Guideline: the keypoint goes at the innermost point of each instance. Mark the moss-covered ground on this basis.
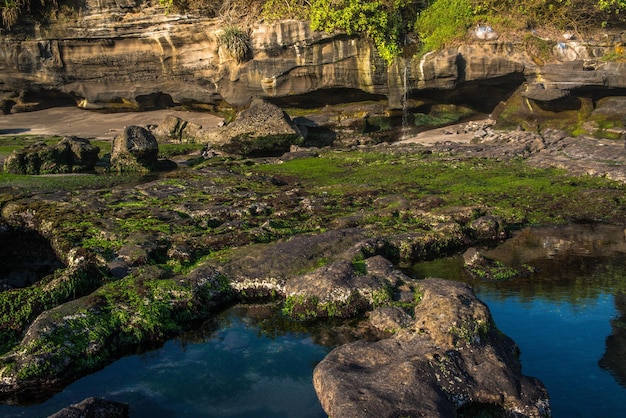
(168, 225)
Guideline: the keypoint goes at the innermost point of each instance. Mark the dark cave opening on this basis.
(25, 258)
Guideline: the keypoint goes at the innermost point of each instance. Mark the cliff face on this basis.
(130, 54)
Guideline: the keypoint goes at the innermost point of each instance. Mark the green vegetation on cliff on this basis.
(389, 23)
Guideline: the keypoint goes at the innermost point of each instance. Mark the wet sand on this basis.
(91, 125)
(436, 135)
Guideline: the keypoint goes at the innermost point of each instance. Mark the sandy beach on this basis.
(105, 126)
(91, 125)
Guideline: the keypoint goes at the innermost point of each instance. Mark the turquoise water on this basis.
(250, 363)
(561, 316)
(561, 344)
(235, 371)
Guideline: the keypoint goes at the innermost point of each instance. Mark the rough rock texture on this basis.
(135, 149)
(132, 55)
(69, 155)
(551, 148)
(94, 408)
(173, 128)
(451, 357)
(261, 129)
(261, 270)
(558, 80)
(341, 290)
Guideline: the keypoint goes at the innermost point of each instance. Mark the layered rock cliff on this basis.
(132, 55)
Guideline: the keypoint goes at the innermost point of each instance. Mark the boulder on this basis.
(452, 359)
(483, 267)
(135, 149)
(176, 129)
(94, 408)
(487, 229)
(263, 129)
(69, 155)
(341, 288)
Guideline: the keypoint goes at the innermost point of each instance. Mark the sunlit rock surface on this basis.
(106, 55)
(450, 359)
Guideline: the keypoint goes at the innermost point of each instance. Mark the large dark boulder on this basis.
(69, 155)
(134, 150)
(449, 360)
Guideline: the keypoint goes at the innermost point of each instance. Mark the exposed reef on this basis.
(147, 262)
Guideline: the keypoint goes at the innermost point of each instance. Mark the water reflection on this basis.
(561, 315)
(247, 362)
(614, 359)
(569, 319)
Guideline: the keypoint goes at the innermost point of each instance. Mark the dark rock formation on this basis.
(451, 357)
(94, 408)
(614, 357)
(25, 257)
(487, 228)
(69, 155)
(260, 130)
(136, 149)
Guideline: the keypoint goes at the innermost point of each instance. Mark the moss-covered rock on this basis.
(135, 150)
(69, 155)
(82, 335)
(450, 355)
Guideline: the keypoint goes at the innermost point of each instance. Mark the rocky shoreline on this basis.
(116, 245)
(315, 211)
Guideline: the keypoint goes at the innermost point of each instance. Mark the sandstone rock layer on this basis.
(134, 56)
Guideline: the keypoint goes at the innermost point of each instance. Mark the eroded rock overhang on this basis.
(135, 56)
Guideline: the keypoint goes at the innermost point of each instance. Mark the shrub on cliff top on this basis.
(236, 41)
(382, 21)
(443, 21)
(285, 9)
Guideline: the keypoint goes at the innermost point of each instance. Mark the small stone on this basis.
(94, 407)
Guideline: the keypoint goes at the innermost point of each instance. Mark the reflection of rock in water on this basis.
(25, 258)
(573, 262)
(614, 360)
(562, 241)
